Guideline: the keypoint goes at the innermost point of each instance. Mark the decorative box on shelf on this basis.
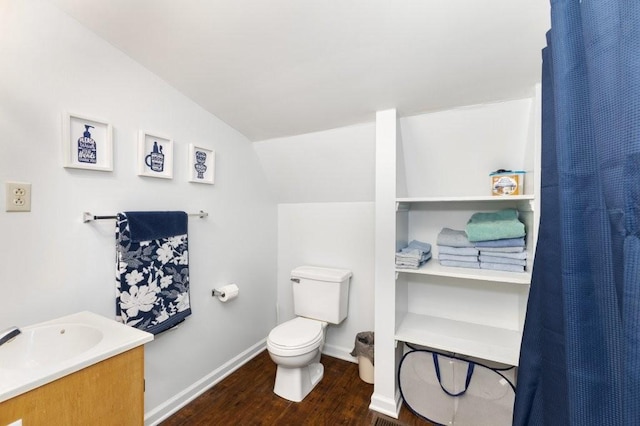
(507, 182)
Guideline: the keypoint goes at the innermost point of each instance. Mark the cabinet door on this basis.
(110, 392)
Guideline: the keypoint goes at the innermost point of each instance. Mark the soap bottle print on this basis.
(201, 168)
(87, 151)
(155, 160)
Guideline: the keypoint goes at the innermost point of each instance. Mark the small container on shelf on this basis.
(507, 182)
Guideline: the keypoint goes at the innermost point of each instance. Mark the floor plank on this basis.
(246, 398)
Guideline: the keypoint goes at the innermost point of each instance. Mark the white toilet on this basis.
(320, 297)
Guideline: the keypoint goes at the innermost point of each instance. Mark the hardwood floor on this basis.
(246, 398)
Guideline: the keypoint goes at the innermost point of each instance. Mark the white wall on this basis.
(324, 182)
(52, 264)
(335, 165)
(337, 235)
(463, 145)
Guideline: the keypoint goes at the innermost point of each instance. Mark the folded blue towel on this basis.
(505, 242)
(497, 259)
(457, 264)
(412, 254)
(518, 255)
(152, 275)
(461, 251)
(415, 244)
(459, 258)
(502, 267)
(412, 263)
(494, 226)
(453, 238)
(502, 249)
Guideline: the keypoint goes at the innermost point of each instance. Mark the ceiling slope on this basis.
(286, 67)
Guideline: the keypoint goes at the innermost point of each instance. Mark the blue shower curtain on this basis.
(580, 356)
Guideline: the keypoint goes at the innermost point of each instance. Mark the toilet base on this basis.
(294, 384)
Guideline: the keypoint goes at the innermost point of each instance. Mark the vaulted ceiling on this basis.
(285, 67)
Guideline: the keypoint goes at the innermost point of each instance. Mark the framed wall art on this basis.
(86, 143)
(201, 165)
(155, 156)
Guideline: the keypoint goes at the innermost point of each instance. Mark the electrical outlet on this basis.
(17, 197)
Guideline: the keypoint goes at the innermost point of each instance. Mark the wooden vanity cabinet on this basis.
(110, 392)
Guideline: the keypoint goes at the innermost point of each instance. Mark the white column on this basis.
(385, 398)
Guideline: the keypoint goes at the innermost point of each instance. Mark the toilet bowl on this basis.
(320, 297)
(295, 346)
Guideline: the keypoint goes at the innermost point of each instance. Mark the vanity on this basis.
(74, 370)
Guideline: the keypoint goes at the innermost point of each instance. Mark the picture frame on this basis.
(201, 164)
(155, 155)
(87, 143)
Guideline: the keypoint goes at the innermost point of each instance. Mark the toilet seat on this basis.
(295, 337)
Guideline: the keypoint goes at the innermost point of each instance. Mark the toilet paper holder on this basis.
(215, 293)
(226, 292)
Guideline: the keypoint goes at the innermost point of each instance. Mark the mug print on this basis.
(155, 160)
(155, 156)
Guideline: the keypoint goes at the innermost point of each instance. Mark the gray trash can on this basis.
(363, 350)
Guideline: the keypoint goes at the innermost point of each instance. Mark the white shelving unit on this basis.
(432, 172)
(473, 312)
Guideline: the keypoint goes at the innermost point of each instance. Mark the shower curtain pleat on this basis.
(579, 362)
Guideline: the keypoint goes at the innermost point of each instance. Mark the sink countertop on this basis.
(116, 339)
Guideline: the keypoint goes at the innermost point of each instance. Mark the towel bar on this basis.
(88, 217)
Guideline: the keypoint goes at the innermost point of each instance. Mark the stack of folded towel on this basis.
(503, 255)
(455, 249)
(499, 237)
(414, 255)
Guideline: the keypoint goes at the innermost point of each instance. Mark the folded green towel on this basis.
(494, 226)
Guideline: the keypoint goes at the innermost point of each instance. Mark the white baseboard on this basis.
(164, 410)
(387, 406)
(339, 352)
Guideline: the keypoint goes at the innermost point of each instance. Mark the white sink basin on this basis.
(47, 351)
(45, 345)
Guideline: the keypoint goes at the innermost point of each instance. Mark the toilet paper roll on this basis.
(228, 292)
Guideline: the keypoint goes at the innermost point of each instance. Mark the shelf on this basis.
(404, 204)
(465, 199)
(432, 267)
(481, 341)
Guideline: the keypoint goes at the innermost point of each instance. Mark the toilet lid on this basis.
(296, 333)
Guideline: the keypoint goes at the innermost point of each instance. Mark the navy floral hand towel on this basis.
(152, 270)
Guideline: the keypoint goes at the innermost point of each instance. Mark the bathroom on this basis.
(275, 205)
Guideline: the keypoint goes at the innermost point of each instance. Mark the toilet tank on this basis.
(321, 293)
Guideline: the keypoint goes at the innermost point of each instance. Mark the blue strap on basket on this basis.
(470, 367)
